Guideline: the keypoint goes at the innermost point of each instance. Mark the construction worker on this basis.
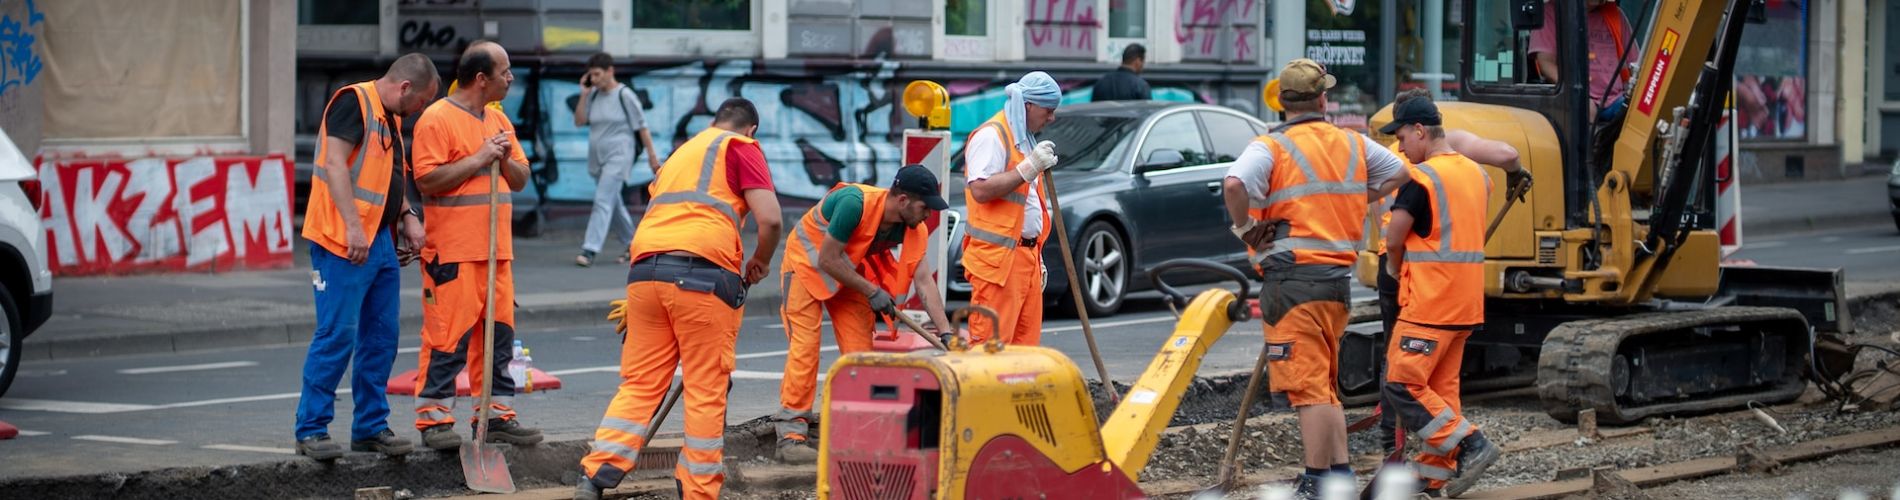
(1479, 149)
(356, 206)
(852, 274)
(1002, 255)
(458, 140)
(1435, 248)
(1299, 196)
(685, 298)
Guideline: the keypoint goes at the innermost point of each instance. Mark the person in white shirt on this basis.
(1002, 254)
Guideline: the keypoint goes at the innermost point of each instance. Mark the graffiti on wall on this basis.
(1062, 28)
(1218, 30)
(818, 128)
(161, 214)
(20, 62)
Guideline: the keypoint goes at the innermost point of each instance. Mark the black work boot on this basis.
(511, 432)
(1474, 456)
(319, 447)
(1307, 487)
(586, 490)
(384, 442)
(441, 437)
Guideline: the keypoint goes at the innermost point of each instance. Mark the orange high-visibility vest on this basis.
(370, 165)
(1318, 190)
(1444, 272)
(996, 228)
(694, 208)
(458, 217)
(801, 250)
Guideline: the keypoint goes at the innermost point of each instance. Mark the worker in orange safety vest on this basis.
(1299, 198)
(685, 299)
(852, 274)
(1008, 224)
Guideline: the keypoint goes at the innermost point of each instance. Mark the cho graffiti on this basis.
(818, 128)
(157, 214)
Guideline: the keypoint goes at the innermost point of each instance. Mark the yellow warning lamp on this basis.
(927, 100)
(1271, 95)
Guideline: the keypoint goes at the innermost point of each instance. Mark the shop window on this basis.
(966, 18)
(1128, 18)
(693, 14)
(1499, 51)
(337, 12)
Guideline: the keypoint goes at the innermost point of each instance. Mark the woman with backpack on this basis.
(611, 112)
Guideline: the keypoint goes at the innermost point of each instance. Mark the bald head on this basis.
(484, 68)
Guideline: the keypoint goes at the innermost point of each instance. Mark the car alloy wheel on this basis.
(1104, 263)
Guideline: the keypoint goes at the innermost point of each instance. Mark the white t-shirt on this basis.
(984, 156)
(1254, 167)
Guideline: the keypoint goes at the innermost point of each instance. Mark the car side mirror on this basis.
(1527, 15)
(1161, 159)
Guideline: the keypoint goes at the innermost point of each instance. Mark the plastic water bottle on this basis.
(527, 370)
(518, 367)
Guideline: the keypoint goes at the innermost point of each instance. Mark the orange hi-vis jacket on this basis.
(801, 250)
(996, 228)
(458, 218)
(1444, 272)
(1320, 198)
(369, 170)
(694, 209)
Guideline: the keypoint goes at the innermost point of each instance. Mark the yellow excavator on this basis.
(1605, 285)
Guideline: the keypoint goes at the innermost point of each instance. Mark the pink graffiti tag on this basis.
(1077, 28)
(1204, 19)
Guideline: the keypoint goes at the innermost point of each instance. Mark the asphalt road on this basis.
(236, 406)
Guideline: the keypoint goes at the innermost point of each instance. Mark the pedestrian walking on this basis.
(685, 300)
(1299, 198)
(459, 140)
(611, 112)
(355, 216)
(1008, 222)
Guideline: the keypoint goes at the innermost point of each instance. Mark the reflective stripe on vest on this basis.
(817, 215)
(1442, 217)
(1303, 204)
(994, 229)
(705, 182)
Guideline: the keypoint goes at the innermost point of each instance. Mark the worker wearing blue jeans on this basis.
(358, 310)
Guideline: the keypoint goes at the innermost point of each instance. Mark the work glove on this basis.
(1521, 176)
(1041, 159)
(883, 304)
(619, 316)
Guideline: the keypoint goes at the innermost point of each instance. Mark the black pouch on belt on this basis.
(706, 278)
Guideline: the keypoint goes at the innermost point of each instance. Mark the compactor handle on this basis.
(962, 316)
(1237, 311)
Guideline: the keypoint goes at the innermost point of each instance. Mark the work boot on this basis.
(797, 451)
(1475, 455)
(586, 490)
(512, 432)
(319, 447)
(441, 437)
(1306, 487)
(384, 442)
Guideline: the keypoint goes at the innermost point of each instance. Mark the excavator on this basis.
(1604, 281)
(1605, 289)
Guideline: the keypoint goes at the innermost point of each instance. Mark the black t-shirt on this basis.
(345, 121)
(1415, 200)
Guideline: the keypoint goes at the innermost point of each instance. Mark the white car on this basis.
(26, 284)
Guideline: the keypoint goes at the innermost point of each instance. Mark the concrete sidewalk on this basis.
(187, 312)
(109, 316)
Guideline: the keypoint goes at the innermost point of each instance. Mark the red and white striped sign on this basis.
(1728, 188)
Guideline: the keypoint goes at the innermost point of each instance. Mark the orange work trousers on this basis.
(669, 327)
(851, 324)
(1303, 321)
(452, 316)
(1017, 301)
(1421, 375)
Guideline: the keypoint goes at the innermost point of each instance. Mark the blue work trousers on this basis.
(358, 308)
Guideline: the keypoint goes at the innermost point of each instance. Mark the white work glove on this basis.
(1240, 231)
(1041, 159)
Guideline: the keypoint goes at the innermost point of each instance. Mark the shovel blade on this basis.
(485, 469)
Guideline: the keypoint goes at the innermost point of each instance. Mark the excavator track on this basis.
(1631, 367)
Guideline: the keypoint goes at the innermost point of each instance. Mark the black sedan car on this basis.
(1139, 183)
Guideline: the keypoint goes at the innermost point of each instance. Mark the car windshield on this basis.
(1083, 142)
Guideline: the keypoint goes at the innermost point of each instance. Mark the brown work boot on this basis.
(512, 432)
(441, 437)
(797, 451)
(319, 447)
(385, 443)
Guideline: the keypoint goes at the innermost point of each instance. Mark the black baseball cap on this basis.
(1416, 110)
(917, 180)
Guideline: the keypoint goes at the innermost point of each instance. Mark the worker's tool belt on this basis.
(1026, 243)
(691, 274)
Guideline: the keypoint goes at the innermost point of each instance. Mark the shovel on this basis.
(912, 324)
(483, 466)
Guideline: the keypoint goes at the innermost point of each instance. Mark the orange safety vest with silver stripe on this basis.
(1445, 271)
(1375, 233)
(370, 165)
(694, 208)
(996, 228)
(1321, 203)
(801, 250)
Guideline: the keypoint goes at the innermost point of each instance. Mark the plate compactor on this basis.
(1008, 421)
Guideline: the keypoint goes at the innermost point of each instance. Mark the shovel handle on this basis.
(934, 341)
